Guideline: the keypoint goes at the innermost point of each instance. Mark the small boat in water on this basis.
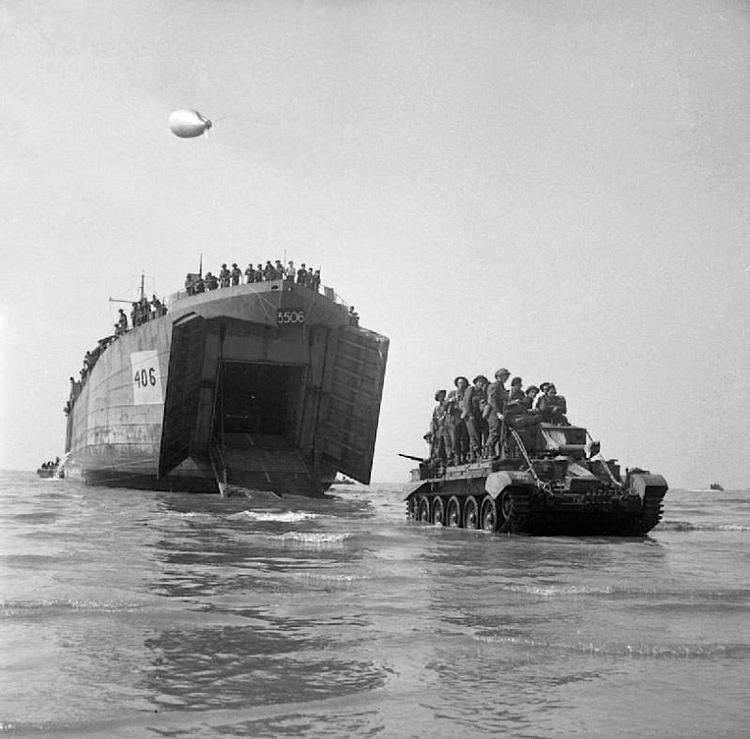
(49, 470)
(715, 486)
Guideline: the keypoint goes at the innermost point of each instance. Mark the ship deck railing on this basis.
(324, 290)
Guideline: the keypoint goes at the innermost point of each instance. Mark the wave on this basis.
(643, 650)
(308, 538)
(284, 517)
(61, 606)
(690, 526)
(656, 597)
(550, 591)
(331, 577)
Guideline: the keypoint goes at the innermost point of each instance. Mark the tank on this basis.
(550, 480)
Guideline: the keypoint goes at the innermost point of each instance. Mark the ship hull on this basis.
(256, 387)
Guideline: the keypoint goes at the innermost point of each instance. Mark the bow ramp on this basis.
(258, 462)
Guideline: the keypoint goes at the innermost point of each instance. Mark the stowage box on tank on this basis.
(549, 482)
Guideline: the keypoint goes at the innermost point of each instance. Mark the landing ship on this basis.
(265, 386)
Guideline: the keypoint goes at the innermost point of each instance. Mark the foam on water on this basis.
(283, 516)
(697, 526)
(553, 591)
(302, 539)
(53, 606)
(615, 649)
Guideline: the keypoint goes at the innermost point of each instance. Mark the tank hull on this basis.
(543, 495)
(264, 387)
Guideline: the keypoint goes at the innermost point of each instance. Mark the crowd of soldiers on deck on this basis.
(143, 310)
(196, 283)
(470, 422)
(89, 360)
(305, 276)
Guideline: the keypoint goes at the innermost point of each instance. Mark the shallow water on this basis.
(132, 614)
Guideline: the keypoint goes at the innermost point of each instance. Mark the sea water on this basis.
(144, 614)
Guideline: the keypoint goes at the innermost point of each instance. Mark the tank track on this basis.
(507, 514)
(653, 508)
(519, 510)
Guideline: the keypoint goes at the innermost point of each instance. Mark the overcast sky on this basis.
(559, 187)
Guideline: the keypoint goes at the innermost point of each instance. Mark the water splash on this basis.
(283, 517)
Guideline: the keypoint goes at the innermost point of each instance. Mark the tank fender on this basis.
(641, 482)
(412, 487)
(496, 482)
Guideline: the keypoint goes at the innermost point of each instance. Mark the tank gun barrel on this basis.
(411, 456)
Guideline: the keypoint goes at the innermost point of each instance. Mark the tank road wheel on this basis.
(488, 516)
(505, 510)
(438, 511)
(411, 508)
(423, 510)
(471, 513)
(453, 514)
(506, 505)
(513, 509)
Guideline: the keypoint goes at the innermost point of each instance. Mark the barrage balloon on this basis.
(188, 124)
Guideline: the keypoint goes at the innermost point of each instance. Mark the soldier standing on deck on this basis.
(159, 309)
(439, 439)
(475, 400)
(497, 396)
(235, 274)
(224, 276)
(458, 432)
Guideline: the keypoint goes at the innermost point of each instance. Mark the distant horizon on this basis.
(374, 483)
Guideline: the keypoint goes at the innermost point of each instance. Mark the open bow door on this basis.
(183, 391)
(351, 421)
